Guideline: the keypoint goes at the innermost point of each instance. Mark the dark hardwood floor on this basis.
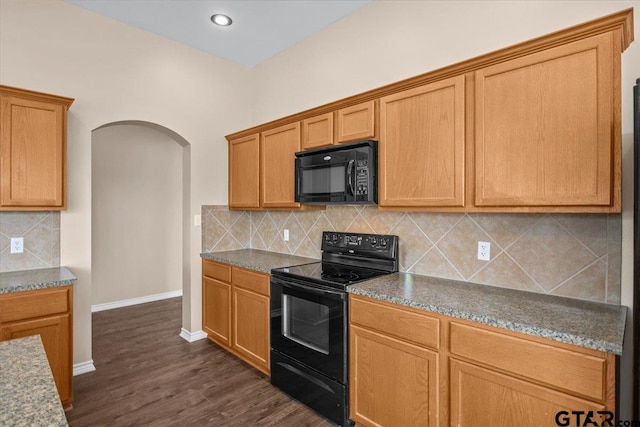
(146, 375)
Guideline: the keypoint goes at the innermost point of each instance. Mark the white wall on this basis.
(387, 41)
(136, 226)
(116, 72)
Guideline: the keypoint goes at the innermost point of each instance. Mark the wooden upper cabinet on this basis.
(356, 122)
(545, 129)
(244, 172)
(317, 131)
(32, 150)
(278, 148)
(422, 145)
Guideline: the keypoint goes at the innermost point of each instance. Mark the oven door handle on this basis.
(310, 289)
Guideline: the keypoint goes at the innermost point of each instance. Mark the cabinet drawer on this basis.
(257, 282)
(399, 322)
(564, 369)
(216, 270)
(31, 304)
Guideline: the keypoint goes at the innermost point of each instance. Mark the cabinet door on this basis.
(244, 172)
(216, 310)
(392, 383)
(317, 131)
(356, 122)
(251, 327)
(422, 146)
(481, 397)
(55, 334)
(544, 127)
(32, 153)
(277, 169)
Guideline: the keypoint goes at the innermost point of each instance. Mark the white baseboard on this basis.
(192, 336)
(83, 367)
(135, 301)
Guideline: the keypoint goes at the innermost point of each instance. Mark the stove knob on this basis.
(383, 242)
(334, 237)
(374, 241)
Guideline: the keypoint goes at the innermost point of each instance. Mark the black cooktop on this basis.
(329, 274)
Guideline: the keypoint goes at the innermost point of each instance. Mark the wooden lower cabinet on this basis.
(413, 368)
(251, 321)
(393, 383)
(216, 318)
(235, 311)
(48, 313)
(482, 397)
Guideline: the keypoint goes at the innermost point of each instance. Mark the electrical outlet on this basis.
(285, 235)
(17, 245)
(484, 251)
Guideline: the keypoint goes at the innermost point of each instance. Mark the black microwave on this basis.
(342, 174)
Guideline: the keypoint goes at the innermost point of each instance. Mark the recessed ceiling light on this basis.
(222, 20)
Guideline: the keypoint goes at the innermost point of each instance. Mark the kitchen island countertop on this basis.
(257, 260)
(28, 280)
(28, 394)
(587, 324)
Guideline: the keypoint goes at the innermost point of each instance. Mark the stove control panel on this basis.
(353, 242)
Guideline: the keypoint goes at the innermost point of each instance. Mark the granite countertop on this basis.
(587, 324)
(28, 394)
(257, 260)
(27, 280)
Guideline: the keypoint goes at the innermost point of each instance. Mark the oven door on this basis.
(309, 325)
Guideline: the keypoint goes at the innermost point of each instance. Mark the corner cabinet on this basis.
(32, 150)
(235, 311)
(48, 313)
(412, 367)
(422, 146)
(546, 127)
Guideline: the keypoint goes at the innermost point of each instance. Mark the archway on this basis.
(140, 214)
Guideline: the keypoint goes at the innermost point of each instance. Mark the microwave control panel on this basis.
(362, 178)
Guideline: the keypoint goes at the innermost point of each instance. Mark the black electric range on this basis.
(309, 318)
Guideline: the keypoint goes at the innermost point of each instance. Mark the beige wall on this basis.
(136, 226)
(117, 73)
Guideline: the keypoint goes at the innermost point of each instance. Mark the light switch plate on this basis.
(197, 220)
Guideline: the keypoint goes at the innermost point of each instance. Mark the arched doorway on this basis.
(140, 214)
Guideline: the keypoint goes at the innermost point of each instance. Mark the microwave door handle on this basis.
(350, 170)
(297, 178)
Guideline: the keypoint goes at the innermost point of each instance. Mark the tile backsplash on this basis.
(41, 233)
(574, 255)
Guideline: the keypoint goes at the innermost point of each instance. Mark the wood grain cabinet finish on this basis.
(317, 131)
(244, 172)
(356, 122)
(32, 150)
(48, 313)
(544, 127)
(278, 147)
(410, 367)
(235, 311)
(422, 146)
(533, 127)
(392, 380)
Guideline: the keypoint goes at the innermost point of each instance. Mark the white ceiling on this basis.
(259, 31)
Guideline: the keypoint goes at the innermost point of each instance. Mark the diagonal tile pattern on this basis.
(574, 255)
(41, 234)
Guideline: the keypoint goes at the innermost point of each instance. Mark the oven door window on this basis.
(306, 322)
